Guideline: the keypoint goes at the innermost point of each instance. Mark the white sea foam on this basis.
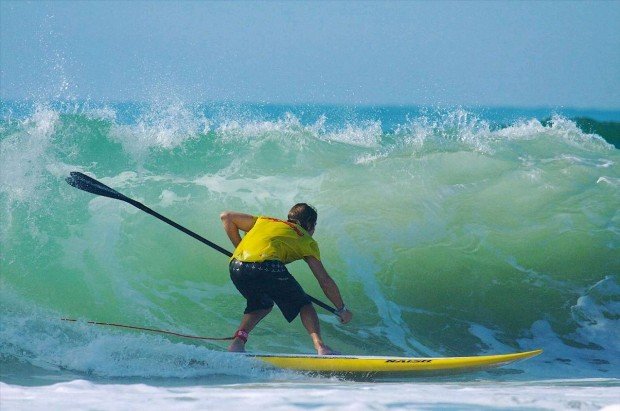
(614, 182)
(570, 132)
(261, 128)
(522, 130)
(24, 159)
(25, 155)
(169, 197)
(259, 190)
(79, 394)
(595, 311)
(105, 352)
(290, 130)
(368, 134)
(164, 126)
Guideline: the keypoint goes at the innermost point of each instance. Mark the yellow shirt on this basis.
(273, 239)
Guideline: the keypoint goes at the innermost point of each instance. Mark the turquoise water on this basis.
(450, 232)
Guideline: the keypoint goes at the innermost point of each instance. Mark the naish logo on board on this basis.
(408, 361)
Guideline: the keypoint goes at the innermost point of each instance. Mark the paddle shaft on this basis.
(85, 183)
(180, 227)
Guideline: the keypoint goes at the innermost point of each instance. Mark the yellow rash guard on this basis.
(273, 239)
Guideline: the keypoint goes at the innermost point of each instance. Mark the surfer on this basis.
(257, 268)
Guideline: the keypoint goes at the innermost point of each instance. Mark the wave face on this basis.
(449, 233)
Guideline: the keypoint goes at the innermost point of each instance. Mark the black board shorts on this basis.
(267, 282)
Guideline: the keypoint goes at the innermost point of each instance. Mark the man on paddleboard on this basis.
(257, 268)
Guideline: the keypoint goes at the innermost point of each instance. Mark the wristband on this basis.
(341, 310)
(242, 335)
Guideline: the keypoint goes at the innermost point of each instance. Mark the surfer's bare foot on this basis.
(325, 350)
(237, 345)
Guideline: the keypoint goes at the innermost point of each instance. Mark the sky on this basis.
(516, 54)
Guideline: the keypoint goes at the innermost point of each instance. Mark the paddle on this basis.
(89, 184)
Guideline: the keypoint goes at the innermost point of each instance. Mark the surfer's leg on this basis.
(248, 322)
(310, 320)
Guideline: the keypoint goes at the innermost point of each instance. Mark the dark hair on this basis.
(303, 214)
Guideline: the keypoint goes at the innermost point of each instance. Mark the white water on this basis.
(324, 395)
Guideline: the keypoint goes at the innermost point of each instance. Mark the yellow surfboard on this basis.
(379, 365)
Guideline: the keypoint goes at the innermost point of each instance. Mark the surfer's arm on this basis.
(329, 287)
(233, 222)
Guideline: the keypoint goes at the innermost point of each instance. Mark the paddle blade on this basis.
(86, 183)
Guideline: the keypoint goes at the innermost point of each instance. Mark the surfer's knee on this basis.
(309, 318)
(307, 309)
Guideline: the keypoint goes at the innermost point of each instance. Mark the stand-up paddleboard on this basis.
(368, 365)
(389, 365)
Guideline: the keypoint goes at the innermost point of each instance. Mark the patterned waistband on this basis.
(273, 266)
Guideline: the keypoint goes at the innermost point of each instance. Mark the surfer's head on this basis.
(305, 215)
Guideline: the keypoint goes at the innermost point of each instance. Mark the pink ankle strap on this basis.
(242, 335)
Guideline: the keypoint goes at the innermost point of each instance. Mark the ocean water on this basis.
(450, 231)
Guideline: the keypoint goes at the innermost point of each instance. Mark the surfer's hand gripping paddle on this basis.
(89, 184)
